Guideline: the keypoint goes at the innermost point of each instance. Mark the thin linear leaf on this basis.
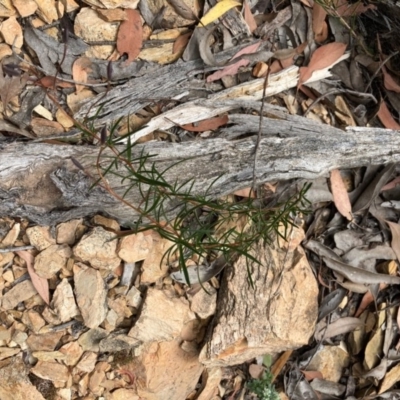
(340, 326)
(358, 275)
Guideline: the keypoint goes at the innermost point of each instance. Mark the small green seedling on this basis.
(263, 388)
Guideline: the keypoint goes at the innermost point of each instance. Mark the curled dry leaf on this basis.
(204, 48)
(80, 69)
(130, 35)
(40, 284)
(323, 57)
(340, 195)
(218, 11)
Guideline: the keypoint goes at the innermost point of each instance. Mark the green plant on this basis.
(201, 227)
(263, 388)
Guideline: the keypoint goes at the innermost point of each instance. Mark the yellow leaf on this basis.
(217, 11)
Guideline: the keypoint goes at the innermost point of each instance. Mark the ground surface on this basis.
(90, 310)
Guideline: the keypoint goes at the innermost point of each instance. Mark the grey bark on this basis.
(41, 181)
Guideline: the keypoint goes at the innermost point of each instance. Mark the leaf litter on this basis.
(58, 60)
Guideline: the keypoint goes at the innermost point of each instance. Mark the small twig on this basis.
(336, 91)
(18, 248)
(48, 26)
(379, 69)
(256, 148)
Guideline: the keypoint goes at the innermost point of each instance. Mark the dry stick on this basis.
(379, 69)
(337, 91)
(256, 148)
(18, 248)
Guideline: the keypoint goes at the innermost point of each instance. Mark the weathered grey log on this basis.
(42, 183)
(151, 81)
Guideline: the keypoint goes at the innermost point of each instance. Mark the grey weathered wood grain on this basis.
(41, 182)
(149, 82)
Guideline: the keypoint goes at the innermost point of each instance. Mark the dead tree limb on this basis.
(41, 182)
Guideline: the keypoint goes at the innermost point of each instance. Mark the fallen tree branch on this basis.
(41, 182)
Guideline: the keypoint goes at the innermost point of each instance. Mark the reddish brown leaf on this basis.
(249, 17)
(368, 299)
(130, 35)
(344, 9)
(386, 118)
(392, 184)
(207, 124)
(229, 70)
(40, 284)
(319, 24)
(310, 375)
(233, 69)
(390, 83)
(340, 195)
(285, 58)
(181, 42)
(51, 82)
(323, 35)
(322, 58)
